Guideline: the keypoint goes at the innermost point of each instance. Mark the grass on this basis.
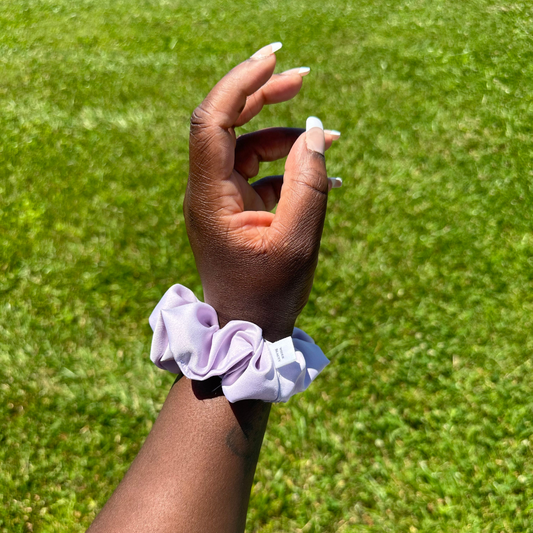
(423, 298)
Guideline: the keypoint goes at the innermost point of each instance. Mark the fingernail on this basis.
(315, 135)
(267, 50)
(302, 71)
(336, 183)
(334, 134)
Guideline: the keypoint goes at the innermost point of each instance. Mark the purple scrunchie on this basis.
(188, 339)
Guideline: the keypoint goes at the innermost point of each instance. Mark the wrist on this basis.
(272, 327)
(188, 339)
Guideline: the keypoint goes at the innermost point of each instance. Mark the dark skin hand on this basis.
(254, 265)
(195, 471)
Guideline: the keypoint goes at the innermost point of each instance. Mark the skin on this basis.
(234, 237)
(195, 471)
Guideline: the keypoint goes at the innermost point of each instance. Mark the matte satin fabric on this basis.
(188, 339)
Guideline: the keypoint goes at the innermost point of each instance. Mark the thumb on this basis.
(302, 206)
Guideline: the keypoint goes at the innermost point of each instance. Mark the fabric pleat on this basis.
(188, 339)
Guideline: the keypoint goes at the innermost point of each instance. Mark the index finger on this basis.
(212, 138)
(224, 103)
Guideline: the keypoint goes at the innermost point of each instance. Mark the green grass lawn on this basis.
(423, 297)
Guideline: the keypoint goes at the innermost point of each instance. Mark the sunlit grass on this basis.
(423, 297)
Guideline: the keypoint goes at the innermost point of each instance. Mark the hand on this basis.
(255, 265)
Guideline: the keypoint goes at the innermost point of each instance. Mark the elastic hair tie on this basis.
(188, 339)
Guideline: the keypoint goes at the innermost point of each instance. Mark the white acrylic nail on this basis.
(314, 136)
(333, 133)
(267, 50)
(302, 71)
(335, 182)
(275, 47)
(313, 122)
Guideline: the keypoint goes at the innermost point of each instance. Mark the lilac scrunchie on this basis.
(188, 339)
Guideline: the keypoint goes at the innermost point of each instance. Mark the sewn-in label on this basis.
(282, 352)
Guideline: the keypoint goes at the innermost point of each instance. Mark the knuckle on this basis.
(199, 118)
(315, 179)
(202, 116)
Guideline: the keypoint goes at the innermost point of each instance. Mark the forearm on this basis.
(195, 471)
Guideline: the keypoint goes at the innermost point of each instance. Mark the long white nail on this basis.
(313, 122)
(334, 134)
(314, 136)
(336, 183)
(302, 71)
(267, 50)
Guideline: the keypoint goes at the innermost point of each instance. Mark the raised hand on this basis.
(255, 265)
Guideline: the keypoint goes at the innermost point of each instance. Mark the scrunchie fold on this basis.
(188, 339)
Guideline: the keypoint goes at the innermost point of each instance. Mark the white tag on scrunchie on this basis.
(282, 351)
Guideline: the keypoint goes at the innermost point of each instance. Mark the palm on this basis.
(246, 197)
